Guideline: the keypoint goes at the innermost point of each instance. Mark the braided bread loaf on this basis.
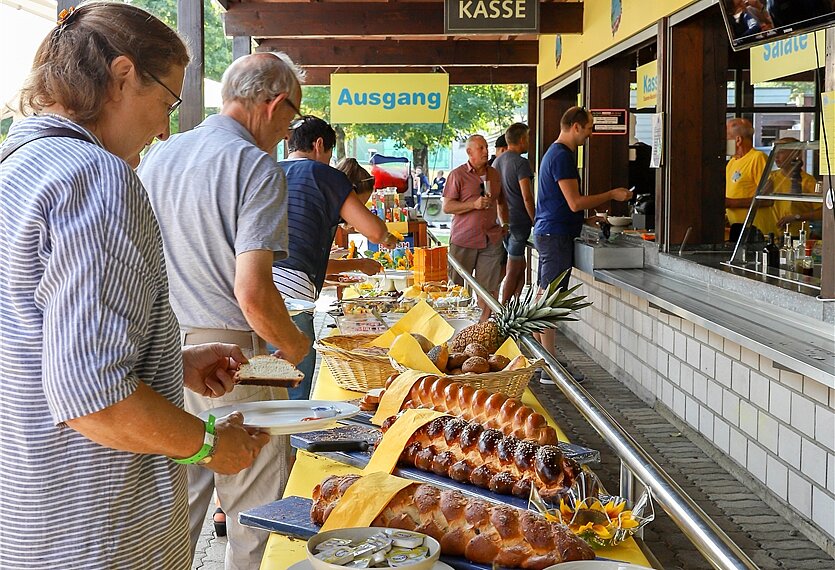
(480, 531)
(493, 410)
(468, 453)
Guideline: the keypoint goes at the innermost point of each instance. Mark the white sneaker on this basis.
(546, 379)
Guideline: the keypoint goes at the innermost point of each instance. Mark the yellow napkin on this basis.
(395, 394)
(349, 293)
(364, 500)
(510, 349)
(420, 319)
(407, 352)
(394, 440)
(399, 227)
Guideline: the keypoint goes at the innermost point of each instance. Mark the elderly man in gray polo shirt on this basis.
(221, 201)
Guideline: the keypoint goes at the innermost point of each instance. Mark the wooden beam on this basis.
(457, 75)
(241, 46)
(383, 53)
(297, 19)
(190, 26)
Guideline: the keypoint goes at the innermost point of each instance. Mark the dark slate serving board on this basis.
(291, 517)
(361, 458)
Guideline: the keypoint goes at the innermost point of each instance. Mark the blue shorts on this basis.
(556, 254)
(516, 241)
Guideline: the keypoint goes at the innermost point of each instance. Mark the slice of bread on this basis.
(267, 370)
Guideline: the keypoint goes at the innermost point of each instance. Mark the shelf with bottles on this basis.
(781, 234)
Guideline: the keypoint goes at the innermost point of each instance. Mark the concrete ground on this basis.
(768, 538)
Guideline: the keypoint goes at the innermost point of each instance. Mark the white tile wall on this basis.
(800, 494)
(813, 461)
(780, 402)
(823, 510)
(803, 414)
(777, 477)
(758, 390)
(825, 427)
(740, 379)
(757, 458)
(767, 431)
(789, 445)
(776, 423)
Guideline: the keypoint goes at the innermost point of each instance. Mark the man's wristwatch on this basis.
(205, 454)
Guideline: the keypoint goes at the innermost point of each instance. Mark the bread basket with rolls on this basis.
(504, 371)
(355, 365)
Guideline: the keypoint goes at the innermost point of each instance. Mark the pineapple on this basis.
(521, 317)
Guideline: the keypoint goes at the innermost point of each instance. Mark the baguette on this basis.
(480, 531)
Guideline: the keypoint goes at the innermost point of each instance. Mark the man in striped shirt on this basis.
(473, 192)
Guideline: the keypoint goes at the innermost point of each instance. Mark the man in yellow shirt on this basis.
(790, 166)
(742, 175)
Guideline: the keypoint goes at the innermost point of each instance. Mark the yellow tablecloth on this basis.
(310, 469)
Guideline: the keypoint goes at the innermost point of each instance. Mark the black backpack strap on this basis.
(44, 133)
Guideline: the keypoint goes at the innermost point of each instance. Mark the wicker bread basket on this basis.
(511, 383)
(354, 370)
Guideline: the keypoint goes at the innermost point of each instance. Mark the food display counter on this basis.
(310, 469)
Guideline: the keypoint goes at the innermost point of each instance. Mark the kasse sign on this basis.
(491, 16)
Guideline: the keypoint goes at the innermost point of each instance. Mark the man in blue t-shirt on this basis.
(559, 205)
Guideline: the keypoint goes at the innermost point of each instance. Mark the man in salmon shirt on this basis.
(473, 193)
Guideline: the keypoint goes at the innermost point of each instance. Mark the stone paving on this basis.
(769, 539)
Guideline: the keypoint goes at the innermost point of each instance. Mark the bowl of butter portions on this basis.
(372, 547)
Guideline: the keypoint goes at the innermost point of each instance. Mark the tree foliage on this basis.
(218, 47)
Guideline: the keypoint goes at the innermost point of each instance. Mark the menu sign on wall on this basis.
(787, 57)
(610, 121)
(491, 16)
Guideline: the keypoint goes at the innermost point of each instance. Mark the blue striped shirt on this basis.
(84, 317)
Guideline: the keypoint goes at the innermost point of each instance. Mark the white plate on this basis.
(596, 565)
(282, 417)
(296, 306)
(305, 565)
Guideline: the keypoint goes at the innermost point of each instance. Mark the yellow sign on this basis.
(647, 85)
(787, 57)
(828, 100)
(389, 97)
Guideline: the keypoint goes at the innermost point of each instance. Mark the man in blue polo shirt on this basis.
(559, 205)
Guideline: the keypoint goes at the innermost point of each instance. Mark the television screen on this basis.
(753, 22)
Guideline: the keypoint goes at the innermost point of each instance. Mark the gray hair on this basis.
(260, 77)
(741, 128)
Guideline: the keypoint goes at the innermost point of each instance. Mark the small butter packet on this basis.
(332, 543)
(405, 556)
(341, 555)
(406, 539)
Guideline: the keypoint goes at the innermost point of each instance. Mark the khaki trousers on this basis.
(258, 485)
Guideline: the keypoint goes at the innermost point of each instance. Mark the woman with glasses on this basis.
(92, 432)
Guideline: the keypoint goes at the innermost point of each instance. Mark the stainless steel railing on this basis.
(697, 526)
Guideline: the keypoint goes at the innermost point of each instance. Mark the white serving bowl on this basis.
(619, 220)
(360, 534)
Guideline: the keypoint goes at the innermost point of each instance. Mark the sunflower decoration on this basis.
(599, 519)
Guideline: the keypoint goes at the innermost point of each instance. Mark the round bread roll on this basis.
(456, 360)
(498, 362)
(475, 364)
(477, 349)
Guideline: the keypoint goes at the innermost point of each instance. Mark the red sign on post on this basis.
(610, 121)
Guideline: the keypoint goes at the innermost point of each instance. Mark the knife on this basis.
(338, 445)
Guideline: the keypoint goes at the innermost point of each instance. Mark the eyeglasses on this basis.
(173, 106)
(296, 122)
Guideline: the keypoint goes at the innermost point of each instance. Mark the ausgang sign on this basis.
(491, 16)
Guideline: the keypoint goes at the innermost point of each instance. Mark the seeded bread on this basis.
(267, 370)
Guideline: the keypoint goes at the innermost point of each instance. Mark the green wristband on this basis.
(208, 445)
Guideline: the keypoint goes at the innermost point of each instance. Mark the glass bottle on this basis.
(787, 252)
(771, 254)
(800, 249)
